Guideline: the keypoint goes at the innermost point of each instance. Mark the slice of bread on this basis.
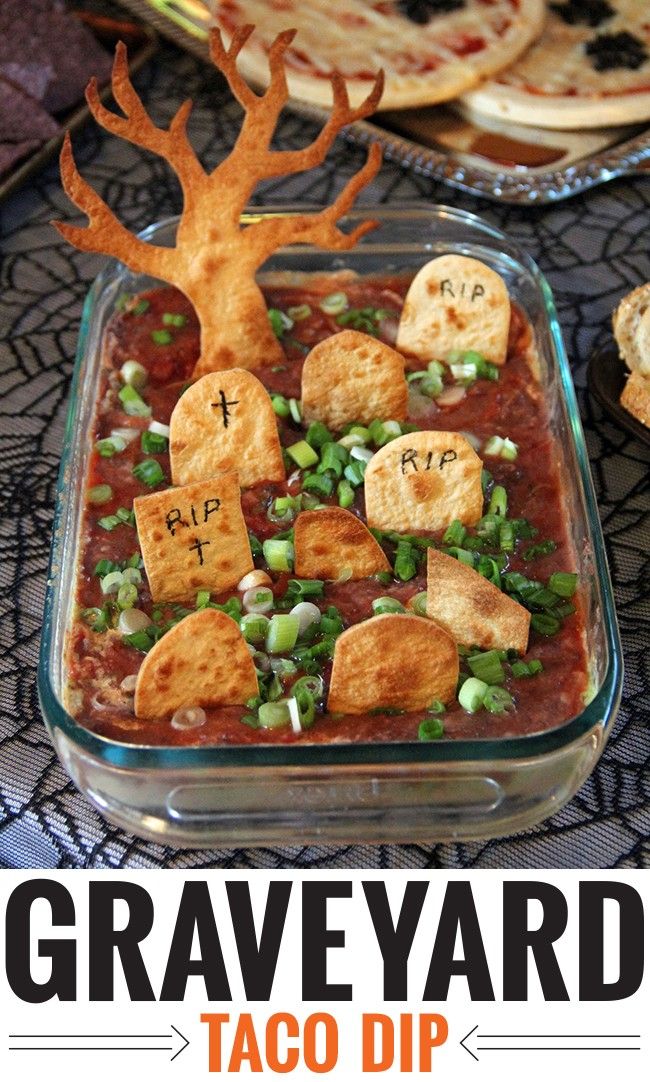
(631, 322)
(636, 397)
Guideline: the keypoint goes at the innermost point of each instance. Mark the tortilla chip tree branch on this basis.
(215, 258)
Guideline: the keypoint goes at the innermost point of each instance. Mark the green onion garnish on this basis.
(471, 694)
(498, 501)
(278, 554)
(386, 604)
(134, 405)
(149, 472)
(563, 583)
(295, 411)
(134, 374)
(153, 444)
(140, 307)
(282, 633)
(299, 312)
(318, 482)
(334, 304)
(405, 566)
(545, 623)
(127, 595)
(526, 668)
(455, 533)
(112, 445)
(354, 472)
(345, 493)
(498, 700)
(254, 627)
(302, 454)
(280, 405)
(100, 494)
(280, 322)
(318, 434)
(430, 729)
(202, 599)
(544, 548)
(487, 667)
(97, 619)
(418, 603)
(274, 715)
(174, 319)
(162, 337)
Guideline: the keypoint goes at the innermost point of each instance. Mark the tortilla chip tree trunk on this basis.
(215, 257)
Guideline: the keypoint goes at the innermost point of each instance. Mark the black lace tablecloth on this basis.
(593, 249)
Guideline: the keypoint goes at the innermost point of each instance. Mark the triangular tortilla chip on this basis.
(225, 421)
(455, 303)
(423, 481)
(333, 540)
(353, 377)
(471, 609)
(202, 661)
(193, 538)
(394, 660)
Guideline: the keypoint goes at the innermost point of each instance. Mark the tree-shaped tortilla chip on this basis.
(423, 481)
(471, 609)
(225, 421)
(215, 257)
(193, 538)
(395, 660)
(353, 377)
(455, 303)
(331, 541)
(201, 661)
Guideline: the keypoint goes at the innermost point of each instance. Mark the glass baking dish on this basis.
(254, 795)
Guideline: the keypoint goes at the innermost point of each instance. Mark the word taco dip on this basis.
(331, 509)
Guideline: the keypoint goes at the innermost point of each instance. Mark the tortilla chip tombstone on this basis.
(353, 377)
(333, 540)
(225, 421)
(422, 481)
(201, 661)
(471, 609)
(394, 660)
(193, 538)
(455, 303)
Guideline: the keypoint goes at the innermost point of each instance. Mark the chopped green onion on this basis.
(333, 457)
(127, 595)
(493, 446)
(134, 405)
(405, 566)
(306, 707)
(418, 603)
(487, 667)
(153, 444)
(526, 668)
(543, 548)
(305, 587)
(302, 454)
(509, 451)
(134, 374)
(255, 544)
(112, 445)
(299, 312)
(351, 441)
(282, 633)
(202, 599)
(498, 501)
(161, 337)
(254, 627)
(141, 640)
(430, 729)
(506, 537)
(355, 471)
(345, 493)
(318, 434)
(455, 533)
(95, 618)
(174, 319)
(280, 322)
(563, 583)
(140, 307)
(149, 472)
(274, 715)
(318, 482)
(386, 604)
(132, 574)
(436, 707)
(104, 567)
(280, 405)
(334, 304)
(295, 411)
(544, 623)
(100, 494)
(278, 554)
(464, 556)
(498, 700)
(471, 694)
(111, 583)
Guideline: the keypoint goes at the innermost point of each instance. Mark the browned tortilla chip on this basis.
(193, 538)
(423, 481)
(472, 609)
(455, 303)
(353, 377)
(202, 661)
(225, 421)
(332, 541)
(394, 660)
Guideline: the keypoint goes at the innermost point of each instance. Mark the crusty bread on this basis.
(631, 322)
(636, 397)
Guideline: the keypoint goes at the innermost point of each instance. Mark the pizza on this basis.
(430, 50)
(590, 68)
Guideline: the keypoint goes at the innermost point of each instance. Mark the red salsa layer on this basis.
(159, 332)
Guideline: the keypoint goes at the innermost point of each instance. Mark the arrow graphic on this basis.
(548, 1042)
(66, 1042)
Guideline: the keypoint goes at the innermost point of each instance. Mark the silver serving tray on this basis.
(506, 162)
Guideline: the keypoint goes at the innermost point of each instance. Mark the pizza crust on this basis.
(555, 85)
(364, 36)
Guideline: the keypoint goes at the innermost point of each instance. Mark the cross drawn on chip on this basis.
(215, 258)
